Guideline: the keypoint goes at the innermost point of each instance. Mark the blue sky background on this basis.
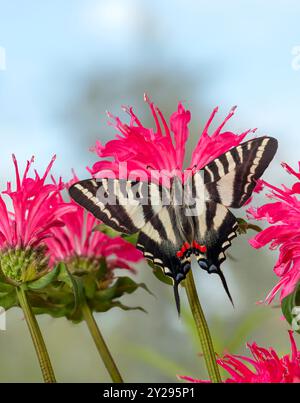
(235, 53)
(245, 46)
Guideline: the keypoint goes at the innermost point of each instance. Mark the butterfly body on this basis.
(190, 218)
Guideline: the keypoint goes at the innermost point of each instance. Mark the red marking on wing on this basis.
(179, 254)
(186, 246)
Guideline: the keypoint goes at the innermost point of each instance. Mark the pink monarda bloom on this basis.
(36, 210)
(284, 215)
(265, 366)
(84, 248)
(162, 148)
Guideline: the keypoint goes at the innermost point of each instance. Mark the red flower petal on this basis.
(265, 366)
(284, 214)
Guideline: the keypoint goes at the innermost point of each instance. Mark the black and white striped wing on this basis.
(231, 178)
(215, 228)
(162, 238)
(126, 206)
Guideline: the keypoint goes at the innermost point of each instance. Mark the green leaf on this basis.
(42, 304)
(78, 294)
(4, 287)
(89, 286)
(8, 299)
(123, 285)
(75, 284)
(244, 226)
(107, 230)
(289, 303)
(119, 304)
(64, 275)
(102, 271)
(45, 280)
(113, 233)
(130, 238)
(8, 296)
(159, 274)
(103, 300)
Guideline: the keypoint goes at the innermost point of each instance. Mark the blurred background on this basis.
(62, 65)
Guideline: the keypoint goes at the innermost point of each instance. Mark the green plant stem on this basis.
(37, 337)
(100, 344)
(202, 329)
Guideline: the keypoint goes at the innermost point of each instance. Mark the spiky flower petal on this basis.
(138, 148)
(265, 366)
(36, 209)
(283, 213)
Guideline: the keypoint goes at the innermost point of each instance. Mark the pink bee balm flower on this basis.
(284, 215)
(265, 366)
(81, 245)
(161, 148)
(36, 210)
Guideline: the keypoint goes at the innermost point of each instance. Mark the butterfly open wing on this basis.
(231, 178)
(126, 206)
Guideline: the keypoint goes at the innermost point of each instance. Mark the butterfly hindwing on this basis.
(215, 229)
(161, 239)
(231, 178)
(124, 205)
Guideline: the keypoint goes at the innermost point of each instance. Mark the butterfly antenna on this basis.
(219, 272)
(177, 298)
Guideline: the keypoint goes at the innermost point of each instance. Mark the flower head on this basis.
(161, 148)
(82, 261)
(36, 209)
(265, 366)
(284, 217)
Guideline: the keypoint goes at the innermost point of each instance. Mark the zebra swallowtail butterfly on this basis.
(167, 235)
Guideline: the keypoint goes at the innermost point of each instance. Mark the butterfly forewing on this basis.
(124, 205)
(231, 178)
